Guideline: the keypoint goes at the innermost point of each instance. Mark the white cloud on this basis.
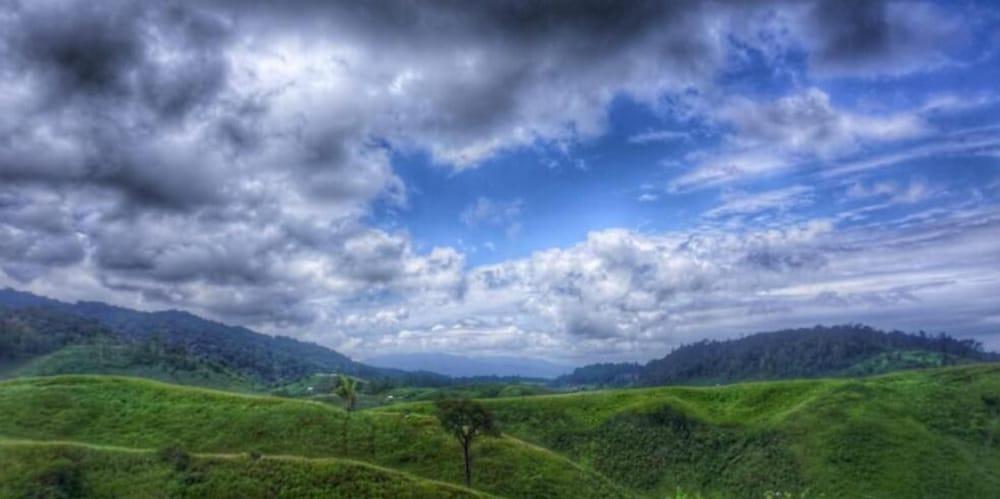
(488, 213)
(916, 191)
(798, 129)
(741, 203)
(225, 157)
(659, 136)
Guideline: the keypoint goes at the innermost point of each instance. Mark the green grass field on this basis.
(33, 469)
(932, 433)
(929, 433)
(143, 414)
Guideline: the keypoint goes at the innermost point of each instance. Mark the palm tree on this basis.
(347, 390)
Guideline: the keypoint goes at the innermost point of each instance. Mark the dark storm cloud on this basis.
(93, 49)
(109, 78)
(107, 50)
(870, 37)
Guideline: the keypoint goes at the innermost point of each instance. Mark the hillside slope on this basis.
(928, 433)
(37, 469)
(144, 414)
(844, 350)
(266, 359)
(41, 342)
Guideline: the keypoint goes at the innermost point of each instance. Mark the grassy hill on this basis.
(143, 414)
(929, 433)
(38, 469)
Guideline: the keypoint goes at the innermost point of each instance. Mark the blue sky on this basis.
(578, 181)
(554, 195)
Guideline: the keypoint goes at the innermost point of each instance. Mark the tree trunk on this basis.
(468, 464)
(343, 440)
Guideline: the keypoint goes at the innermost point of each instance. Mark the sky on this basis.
(572, 180)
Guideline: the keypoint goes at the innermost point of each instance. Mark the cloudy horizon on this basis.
(575, 181)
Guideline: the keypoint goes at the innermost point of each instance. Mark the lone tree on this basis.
(347, 390)
(465, 420)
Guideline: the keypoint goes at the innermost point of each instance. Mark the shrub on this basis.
(176, 457)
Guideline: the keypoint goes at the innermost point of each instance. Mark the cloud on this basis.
(741, 203)
(916, 191)
(659, 136)
(228, 157)
(797, 129)
(866, 38)
(488, 213)
(981, 141)
(36, 235)
(630, 295)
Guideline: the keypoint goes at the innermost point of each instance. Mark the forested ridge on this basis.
(850, 349)
(34, 325)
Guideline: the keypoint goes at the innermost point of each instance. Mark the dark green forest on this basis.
(845, 350)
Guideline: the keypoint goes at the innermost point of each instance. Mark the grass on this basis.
(320, 387)
(930, 433)
(32, 469)
(122, 359)
(144, 414)
(924, 433)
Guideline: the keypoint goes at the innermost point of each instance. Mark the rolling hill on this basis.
(131, 413)
(922, 433)
(41, 469)
(925, 433)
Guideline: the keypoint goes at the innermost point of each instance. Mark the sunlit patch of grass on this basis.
(145, 414)
(929, 433)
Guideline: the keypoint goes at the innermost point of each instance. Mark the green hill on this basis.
(33, 469)
(32, 325)
(143, 414)
(115, 358)
(40, 342)
(930, 433)
(821, 351)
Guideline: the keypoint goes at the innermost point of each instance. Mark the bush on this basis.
(61, 478)
(176, 457)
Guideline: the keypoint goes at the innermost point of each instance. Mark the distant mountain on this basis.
(465, 367)
(846, 350)
(267, 359)
(602, 374)
(39, 341)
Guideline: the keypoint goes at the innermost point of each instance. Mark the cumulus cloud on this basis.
(226, 157)
(625, 294)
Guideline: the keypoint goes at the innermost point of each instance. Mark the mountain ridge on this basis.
(271, 359)
(461, 366)
(820, 351)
